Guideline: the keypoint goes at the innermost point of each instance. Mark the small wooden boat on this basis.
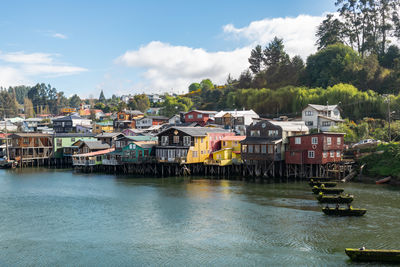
(317, 190)
(6, 164)
(344, 211)
(319, 183)
(380, 255)
(384, 180)
(340, 199)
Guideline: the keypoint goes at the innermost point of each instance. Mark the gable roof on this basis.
(95, 145)
(293, 126)
(234, 138)
(323, 107)
(108, 135)
(236, 113)
(196, 131)
(211, 112)
(70, 117)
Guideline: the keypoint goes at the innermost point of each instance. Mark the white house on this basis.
(143, 123)
(237, 119)
(321, 117)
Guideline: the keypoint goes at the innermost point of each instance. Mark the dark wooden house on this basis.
(35, 148)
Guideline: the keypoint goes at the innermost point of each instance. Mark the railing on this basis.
(110, 162)
(83, 162)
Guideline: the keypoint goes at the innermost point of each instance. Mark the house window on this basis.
(338, 153)
(326, 123)
(26, 140)
(121, 116)
(329, 141)
(314, 140)
(308, 113)
(164, 140)
(325, 154)
(117, 143)
(297, 140)
(199, 116)
(309, 123)
(146, 152)
(273, 133)
(250, 148)
(311, 154)
(59, 142)
(336, 112)
(339, 140)
(224, 143)
(176, 139)
(190, 116)
(270, 149)
(264, 149)
(256, 149)
(202, 152)
(244, 148)
(186, 140)
(255, 133)
(194, 154)
(332, 154)
(140, 153)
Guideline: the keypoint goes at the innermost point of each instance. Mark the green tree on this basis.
(274, 53)
(102, 98)
(194, 87)
(75, 101)
(329, 32)
(256, 59)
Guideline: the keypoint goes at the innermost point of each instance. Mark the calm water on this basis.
(60, 218)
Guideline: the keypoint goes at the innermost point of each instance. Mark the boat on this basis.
(384, 180)
(379, 255)
(6, 164)
(341, 199)
(344, 211)
(317, 190)
(319, 183)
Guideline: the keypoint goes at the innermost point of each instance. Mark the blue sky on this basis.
(144, 46)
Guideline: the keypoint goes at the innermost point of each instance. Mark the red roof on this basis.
(234, 138)
(96, 153)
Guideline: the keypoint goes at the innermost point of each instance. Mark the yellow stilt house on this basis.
(229, 152)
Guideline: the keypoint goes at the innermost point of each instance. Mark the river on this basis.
(58, 217)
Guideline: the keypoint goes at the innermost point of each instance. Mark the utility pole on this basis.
(389, 115)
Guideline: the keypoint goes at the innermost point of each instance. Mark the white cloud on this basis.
(165, 66)
(298, 33)
(17, 68)
(175, 67)
(60, 35)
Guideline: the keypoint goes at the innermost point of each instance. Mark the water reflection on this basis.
(73, 219)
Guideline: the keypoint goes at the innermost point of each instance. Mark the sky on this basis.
(130, 47)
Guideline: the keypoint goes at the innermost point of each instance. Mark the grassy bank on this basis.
(384, 161)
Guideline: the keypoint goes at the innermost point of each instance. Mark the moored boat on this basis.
(6, 164)
(317, 190)
(380, 255)
(319, 183)
(384, 180)
(340, 199)
(344, 211)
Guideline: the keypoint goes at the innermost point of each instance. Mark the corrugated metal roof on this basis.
(96, 153)
(322, 107)
(234, 138)
(293, 126)
(96, 145)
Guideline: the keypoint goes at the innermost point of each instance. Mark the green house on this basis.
(63, 141)
(137, 152)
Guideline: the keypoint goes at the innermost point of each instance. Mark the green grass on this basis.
(385, 164)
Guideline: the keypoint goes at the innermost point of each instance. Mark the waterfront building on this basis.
(265, 143)
(63, 143)
(87, 146)
(90, 159)
(317, 148)
(236, 120)
(175, 120)
(8, 126)
(188, 144)
(126, 119)
(230, 152)
(31, 147)
(108, 138)
(321, 117)
(68, 124)
(83, 129)
(31, 125)
(199, 116)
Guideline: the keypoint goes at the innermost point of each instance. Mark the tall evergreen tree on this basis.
(102, 98)
(256, 59)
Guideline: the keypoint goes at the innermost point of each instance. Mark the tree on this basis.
(75, 101)
(256, 59)
(274, 53)
(102, 97)
(28, 108)
(140, 102)
(206, 84)
(329, 32)
(194, 87)
(334, 64)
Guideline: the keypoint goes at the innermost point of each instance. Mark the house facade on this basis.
(230, 152)
(236, 120)
(188, 144)
(318, 148)
(63, 142)
(68, 124)
(199, 116)
(30, 146)
(321, 117)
